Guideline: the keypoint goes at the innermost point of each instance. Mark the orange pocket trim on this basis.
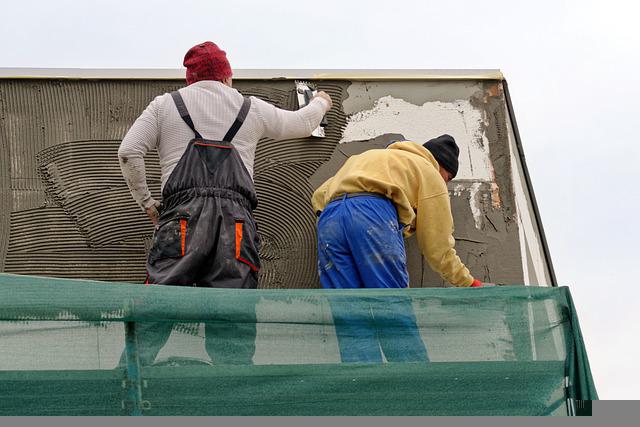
(238, 239)
(239, 225)
(183, 235)
(253, 267)
(204, 144)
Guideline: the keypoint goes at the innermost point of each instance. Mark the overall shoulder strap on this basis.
(242, 114)
(184, 113)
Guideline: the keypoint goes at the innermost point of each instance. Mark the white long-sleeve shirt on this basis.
(213, 107)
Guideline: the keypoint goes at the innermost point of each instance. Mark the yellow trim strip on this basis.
(250, 74)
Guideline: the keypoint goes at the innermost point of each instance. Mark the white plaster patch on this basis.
(421, 123)
(474, 203)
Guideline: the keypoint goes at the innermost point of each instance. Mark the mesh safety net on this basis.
(73, 347)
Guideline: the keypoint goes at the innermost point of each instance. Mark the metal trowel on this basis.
(305, 92)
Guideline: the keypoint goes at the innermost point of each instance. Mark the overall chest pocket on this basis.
(212, 153)
(170, 239)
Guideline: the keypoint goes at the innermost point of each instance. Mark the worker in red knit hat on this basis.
(206, 136)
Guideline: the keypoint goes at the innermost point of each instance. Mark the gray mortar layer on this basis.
(363, 95)
(61, 137)
(69, 179)
(496, 129)
(6, 198)
(286, 221)
(56, 248)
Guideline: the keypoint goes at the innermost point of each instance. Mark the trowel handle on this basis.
(324, 122)
(308, 96)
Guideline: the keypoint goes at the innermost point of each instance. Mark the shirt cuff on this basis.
(146, 204)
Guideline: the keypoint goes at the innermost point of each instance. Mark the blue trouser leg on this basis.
(360, 245)
(336, 265)
(355, 329)
(397, 330)
(354, 325)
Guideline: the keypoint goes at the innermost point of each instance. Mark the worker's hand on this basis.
(153, 214)
(324, 95)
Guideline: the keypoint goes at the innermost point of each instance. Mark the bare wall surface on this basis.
(66, 211)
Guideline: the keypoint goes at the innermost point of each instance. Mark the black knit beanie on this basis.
(445, 150)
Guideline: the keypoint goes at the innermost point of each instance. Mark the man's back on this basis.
(213, 107)
(407, 174)
(404, 172)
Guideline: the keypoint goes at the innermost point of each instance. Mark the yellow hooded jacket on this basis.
(407, 174)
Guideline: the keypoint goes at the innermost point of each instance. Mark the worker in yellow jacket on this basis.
(378, 197)
(375, 200)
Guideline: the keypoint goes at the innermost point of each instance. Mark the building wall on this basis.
(66, 211)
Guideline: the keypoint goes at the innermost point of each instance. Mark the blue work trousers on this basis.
(360, 245)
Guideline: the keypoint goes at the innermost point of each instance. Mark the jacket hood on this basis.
(414, 148)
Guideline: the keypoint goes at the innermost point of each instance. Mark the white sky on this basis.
(573, 72)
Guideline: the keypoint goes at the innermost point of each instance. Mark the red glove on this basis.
(476, 284)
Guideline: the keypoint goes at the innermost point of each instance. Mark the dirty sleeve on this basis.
(141, 137)
(434, 228)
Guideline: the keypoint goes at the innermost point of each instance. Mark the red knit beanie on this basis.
(206, 61)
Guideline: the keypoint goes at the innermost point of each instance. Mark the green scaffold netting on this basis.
(73, 347)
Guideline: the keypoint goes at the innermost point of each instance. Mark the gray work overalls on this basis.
(207, 234)
(207, 238)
